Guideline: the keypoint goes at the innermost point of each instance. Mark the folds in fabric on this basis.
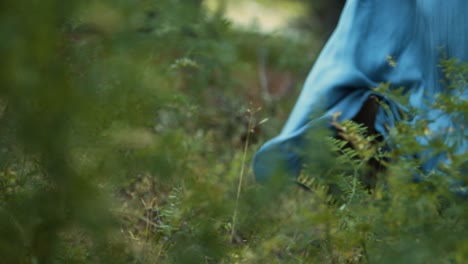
(355, 59)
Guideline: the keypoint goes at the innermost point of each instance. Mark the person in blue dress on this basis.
(415, 34)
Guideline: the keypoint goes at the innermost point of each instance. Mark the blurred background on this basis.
(283, 17)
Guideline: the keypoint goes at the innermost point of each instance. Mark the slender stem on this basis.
(241, 176)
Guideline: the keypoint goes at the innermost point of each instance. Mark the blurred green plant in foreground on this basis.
(125, 127)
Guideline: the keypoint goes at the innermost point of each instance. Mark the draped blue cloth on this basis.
(416, 33)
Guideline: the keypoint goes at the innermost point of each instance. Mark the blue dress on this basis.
(415, 33)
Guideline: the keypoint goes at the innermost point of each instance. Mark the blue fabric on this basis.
(413, 32)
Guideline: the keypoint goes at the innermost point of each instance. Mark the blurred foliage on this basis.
(321, 16)
(123, 132)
